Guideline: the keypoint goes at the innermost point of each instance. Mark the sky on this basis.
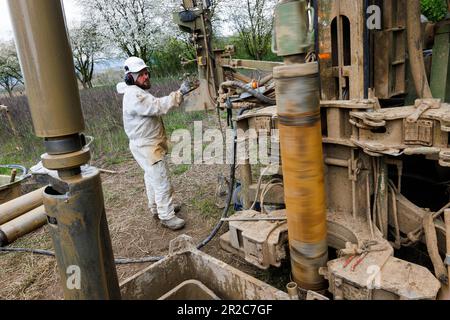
(72, 12)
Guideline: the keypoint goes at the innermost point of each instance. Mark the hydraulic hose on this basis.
(52, 254)
(229, 197)
(253, 92)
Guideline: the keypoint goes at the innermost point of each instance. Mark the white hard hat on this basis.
(134, 64)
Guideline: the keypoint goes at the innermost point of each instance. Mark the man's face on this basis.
(143, 79)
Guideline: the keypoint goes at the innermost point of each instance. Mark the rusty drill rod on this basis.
(74, 201)
(16, 207)
(298, 108)
(20, 226)
(297, 88)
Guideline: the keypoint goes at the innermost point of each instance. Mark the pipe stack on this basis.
(20, 216)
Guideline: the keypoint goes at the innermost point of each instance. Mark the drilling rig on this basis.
(359, 117)
(360, 106)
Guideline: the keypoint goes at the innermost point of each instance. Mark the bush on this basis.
(434, 10)
(240, 50)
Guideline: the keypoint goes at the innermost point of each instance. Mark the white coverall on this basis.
(148, 142)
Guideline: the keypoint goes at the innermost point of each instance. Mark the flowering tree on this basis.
(136, 27)
(10, 73)
(87, 44)
(252, 20)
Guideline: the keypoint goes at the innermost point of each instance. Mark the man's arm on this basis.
(148, 106)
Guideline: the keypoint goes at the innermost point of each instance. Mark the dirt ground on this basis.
(134, 233)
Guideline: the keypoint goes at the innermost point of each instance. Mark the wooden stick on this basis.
(107, 171)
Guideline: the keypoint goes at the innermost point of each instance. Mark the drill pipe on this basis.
(46, 61)
(297, 87)
(16, 207)
(20, 226)
(80, 234)
(74, 201)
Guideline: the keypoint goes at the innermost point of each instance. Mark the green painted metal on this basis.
(440, 70)
(293, 35)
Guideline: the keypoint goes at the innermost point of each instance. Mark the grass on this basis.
(205, 207)
(180, 169)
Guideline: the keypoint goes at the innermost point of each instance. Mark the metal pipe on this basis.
(46, 61)
(336, 162)
(74, 201)
(292, 290)
(16, 207)
(22, 225)
(298, 108)
(80, 234)
(415, 50)
(297, 87)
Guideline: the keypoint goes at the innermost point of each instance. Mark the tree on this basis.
(10, 73)
(87, 44)
(136, 27)
(252, 20)
(434, 10)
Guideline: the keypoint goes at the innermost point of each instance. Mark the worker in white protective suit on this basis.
(148, 142)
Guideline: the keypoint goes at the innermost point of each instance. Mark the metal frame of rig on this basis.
(363, 151)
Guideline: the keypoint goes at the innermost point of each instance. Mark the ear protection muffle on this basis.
(129, 80)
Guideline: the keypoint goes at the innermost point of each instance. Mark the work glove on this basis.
(185, 87)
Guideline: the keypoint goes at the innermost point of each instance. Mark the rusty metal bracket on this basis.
(421, 106)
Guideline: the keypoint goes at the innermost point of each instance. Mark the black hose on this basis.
(229, 197)
(253, 92)
(36, 251)
(52, 254)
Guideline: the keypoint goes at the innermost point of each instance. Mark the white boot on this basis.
(174, 223)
